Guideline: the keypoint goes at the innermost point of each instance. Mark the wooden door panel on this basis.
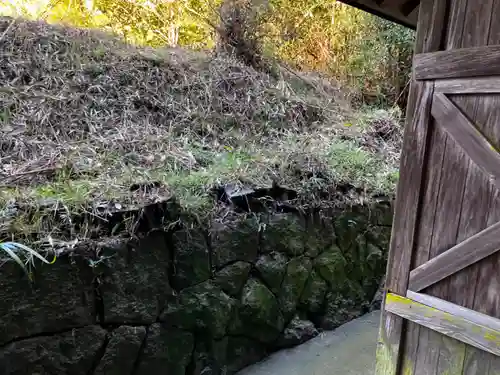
(457, 258)
(467, 136)
(487, 287)
(468, 157)
(455, 243)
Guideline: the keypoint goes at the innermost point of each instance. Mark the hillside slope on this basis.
(88, 122)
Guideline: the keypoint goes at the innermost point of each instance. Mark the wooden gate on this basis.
(442, 306)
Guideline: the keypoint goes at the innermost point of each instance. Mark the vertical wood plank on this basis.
(429, 38)
(477, 189)
(446, 222)
(430, 34)
(451, 356)
(494, 366)
(476, 203)
(428, 354)
(417, 339)
(430, 343)
(487, 289)
(476, 362)
(487, 297)
(486, 272)
(391, 327)
(476, 199)
(455, 27)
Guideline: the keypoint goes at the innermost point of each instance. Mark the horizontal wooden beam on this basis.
(451, 308)
(486, 85)
(455, 325)
(467, 136)
(468, 252)
(458, 63)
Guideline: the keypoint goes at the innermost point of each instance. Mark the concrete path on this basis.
(349, 350)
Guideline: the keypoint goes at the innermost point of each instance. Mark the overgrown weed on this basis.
(96, 117)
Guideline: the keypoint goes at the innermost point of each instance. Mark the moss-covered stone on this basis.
(320, 235)
(297, 272)
(229, 307)
(344, 306)
(235, 240)
(232, 278)
(72, 352)
(242, 352)
(167, 351)
(259, 315)
(61, 297)
(379, 236)
(313, 296)
(209, 357)
(297, 332)
(371, 269)
(284, 233)
(348, 226)
(204, 307)
(381, 213)
(191, 258)
(272, 269)
(133, 280)
(331, 266)
(122, 351)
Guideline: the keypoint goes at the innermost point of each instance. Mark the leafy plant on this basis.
(16, 251)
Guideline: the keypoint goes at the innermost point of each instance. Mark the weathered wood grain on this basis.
(417, 351)
(477, 19)
(465, 134)
(468, 252)
(451, 356)
(446, 222)
(452, 325)
(406, 217)
(475, 199)
(485, 85)
(432, 17)
(477, 362)
(455, 24)
(444, 234)
(483, 19)
(487, 288)
(487, 120)
(426, 358)
(428, 353)
(458, 63)
(434, 350)
(494, 366)
(473, 220)
(454, 309)
(413, 160)
(464, 185)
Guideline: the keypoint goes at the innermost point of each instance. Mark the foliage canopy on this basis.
(370, 54)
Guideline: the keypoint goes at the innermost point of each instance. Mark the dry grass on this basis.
(88, 122)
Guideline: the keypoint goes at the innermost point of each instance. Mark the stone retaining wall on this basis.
(193, 301)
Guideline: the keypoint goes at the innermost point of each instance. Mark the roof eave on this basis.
(381, 13)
